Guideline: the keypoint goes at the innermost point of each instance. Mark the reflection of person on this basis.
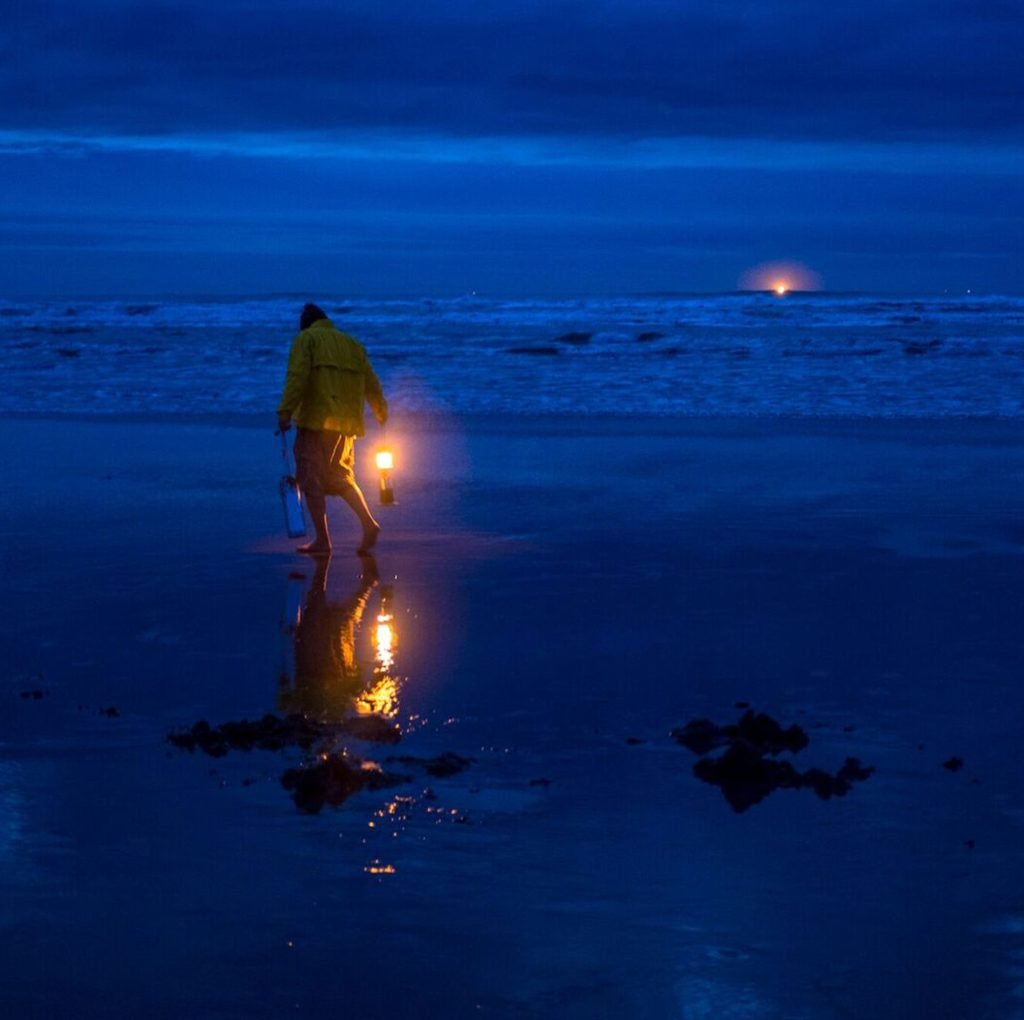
(327, 674)
(329, 379)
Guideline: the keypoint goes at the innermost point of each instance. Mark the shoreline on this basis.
(562, 424)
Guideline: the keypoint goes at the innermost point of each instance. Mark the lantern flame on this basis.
(385, 460)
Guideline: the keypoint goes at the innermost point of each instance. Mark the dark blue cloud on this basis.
(874, 70)
(538, 146)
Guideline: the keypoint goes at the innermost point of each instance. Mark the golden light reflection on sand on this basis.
(392, 818)
(329, 677)
(384, 639)
(382, 697)
(345, 642)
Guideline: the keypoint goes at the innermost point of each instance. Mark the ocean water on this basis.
(730, 355)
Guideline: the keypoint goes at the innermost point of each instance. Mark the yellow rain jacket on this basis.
(329, 378)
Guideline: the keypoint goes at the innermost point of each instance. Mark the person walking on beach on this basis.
(329, 379)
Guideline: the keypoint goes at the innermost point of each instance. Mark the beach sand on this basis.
(564, 594)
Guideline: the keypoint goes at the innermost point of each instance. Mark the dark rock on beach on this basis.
(746, 777)
(372, 728)
(765, 733)
(331, 774)
(273, 733)
(700, 736)
(755, 728)
(953, 764)
(574, 339)
(747, 771)
(853, 772)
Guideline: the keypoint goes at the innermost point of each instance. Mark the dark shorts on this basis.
(324, 461)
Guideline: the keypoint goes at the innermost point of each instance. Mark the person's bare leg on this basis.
(353, 496)
(317, 504)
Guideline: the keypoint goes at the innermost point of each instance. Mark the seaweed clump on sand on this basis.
(748, 770)
(333, 778)
(274, 733)
(754, 728)
(329, 775)
(374, 729)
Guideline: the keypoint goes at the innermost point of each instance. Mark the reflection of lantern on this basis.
(385, 637)
(385, 462)
(382, 697)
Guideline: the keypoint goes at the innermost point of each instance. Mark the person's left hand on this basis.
(284, 422)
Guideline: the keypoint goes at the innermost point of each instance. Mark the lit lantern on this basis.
(385, 462)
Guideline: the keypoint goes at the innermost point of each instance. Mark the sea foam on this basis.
(667, 355)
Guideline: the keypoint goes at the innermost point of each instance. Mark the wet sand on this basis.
(563, 595)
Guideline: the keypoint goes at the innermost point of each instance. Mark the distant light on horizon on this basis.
(780, 278)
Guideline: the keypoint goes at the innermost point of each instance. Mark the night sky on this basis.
(551, 148)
